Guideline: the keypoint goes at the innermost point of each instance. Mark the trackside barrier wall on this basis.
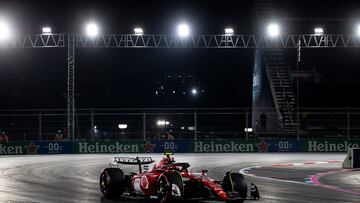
(177, 146)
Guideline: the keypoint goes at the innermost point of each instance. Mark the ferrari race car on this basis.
(170, 181)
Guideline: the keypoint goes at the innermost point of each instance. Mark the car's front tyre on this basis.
(112, 183)
(235, 182)
(170, 188)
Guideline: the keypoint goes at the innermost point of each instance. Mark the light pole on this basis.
(297, 89)
(194, 93)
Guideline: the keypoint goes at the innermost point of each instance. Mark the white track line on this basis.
(245, 171)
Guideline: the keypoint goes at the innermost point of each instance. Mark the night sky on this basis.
(121, 78)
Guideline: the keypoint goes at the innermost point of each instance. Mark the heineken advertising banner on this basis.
(221, 146)
(126, 146)
(14, 148)
(36, 147)
(328, 145)
(177, 146)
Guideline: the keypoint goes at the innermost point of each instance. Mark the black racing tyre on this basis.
(170, 188)
(235, 182)
(112, 183)
(240, 184)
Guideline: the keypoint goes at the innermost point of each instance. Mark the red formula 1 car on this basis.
(170, 181)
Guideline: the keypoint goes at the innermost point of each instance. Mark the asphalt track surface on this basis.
(74, 178)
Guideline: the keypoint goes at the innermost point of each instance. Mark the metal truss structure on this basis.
(217, 41)
(196, 41)
(71, 87)
(35, 41)
(73, 41)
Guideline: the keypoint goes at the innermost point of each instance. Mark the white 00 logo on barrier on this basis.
(283, 145)
(54, 147)
(169, 145)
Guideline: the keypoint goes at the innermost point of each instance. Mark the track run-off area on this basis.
(280, 177)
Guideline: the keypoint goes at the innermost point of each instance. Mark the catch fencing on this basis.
(181, 123)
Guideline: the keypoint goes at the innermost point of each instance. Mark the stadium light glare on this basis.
(183, 30)
(162, 123)
(318, 31)
(138, 31)
(92, 29)
(46, 30)
(122, 126)
(358, 30)
(273, 30)
(4, 30)
(194, 91)
(229, 31)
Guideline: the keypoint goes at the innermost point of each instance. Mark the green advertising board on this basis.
(126, 146)
(328, 145)
(15, 148)
(221, 146)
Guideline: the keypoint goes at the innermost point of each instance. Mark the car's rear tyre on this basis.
(112, 183)
(170, 188)
(235, 182)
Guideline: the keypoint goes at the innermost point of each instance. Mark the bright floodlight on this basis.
(92, 30)
(4, 30)
(122, 126)
(273, 30)
(183, 30)
(194, 91)
(358, 30)
(318, 31)
(138, 31)
(229, 31)
(162, 122)
(46, 31)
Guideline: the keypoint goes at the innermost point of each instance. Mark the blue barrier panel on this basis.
(176, 146)
(43, 147)
(284, 145)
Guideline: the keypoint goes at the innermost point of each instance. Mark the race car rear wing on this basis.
(131, 161)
